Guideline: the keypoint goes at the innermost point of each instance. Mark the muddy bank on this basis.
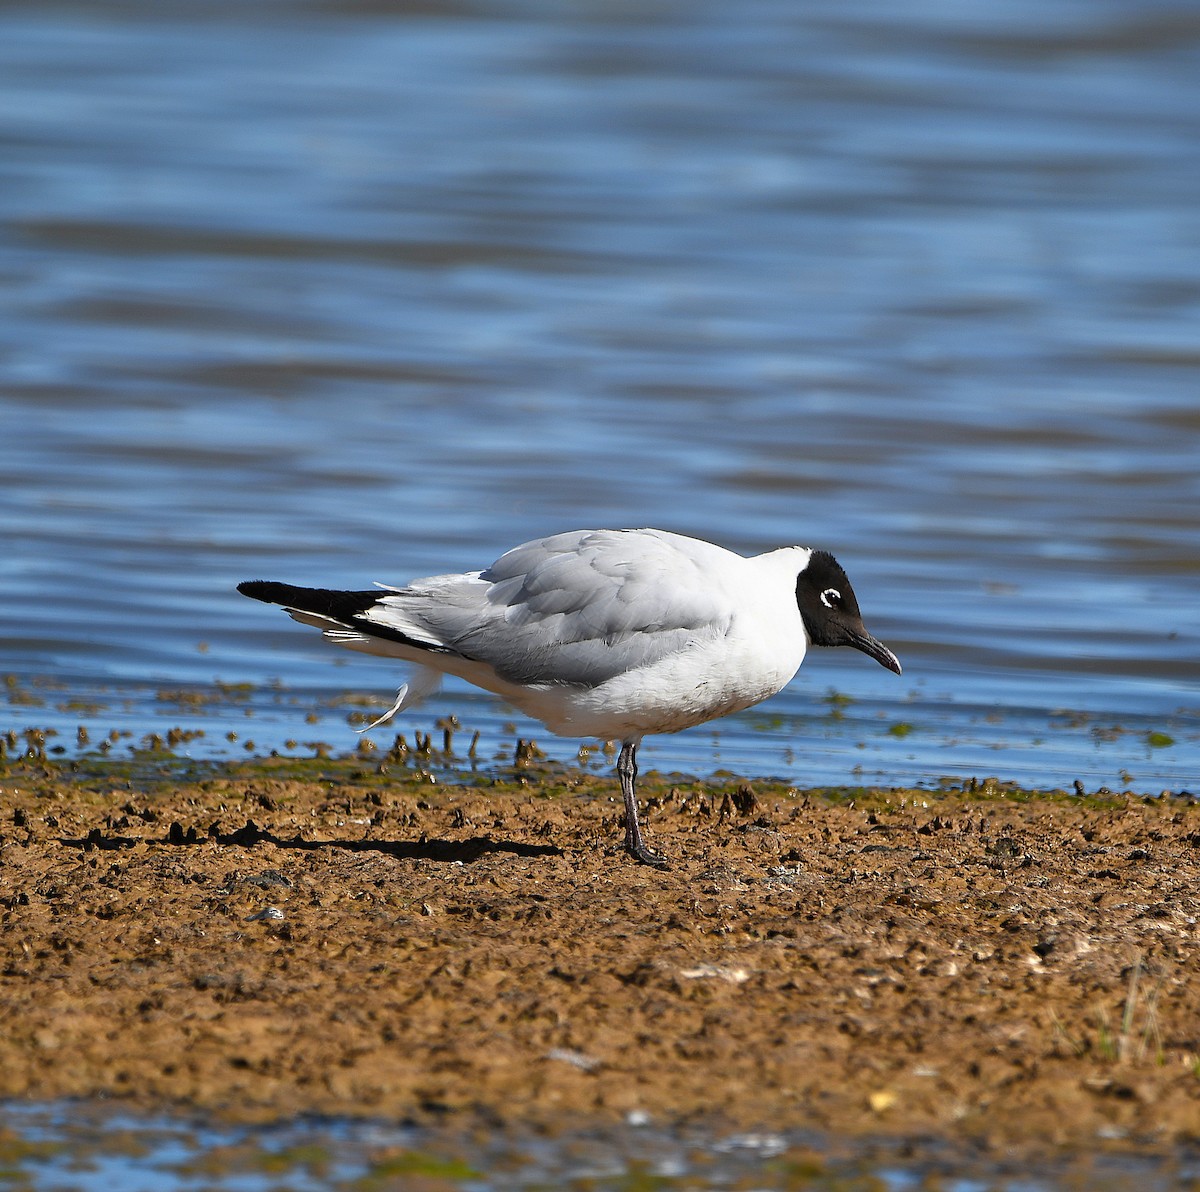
(997, 967)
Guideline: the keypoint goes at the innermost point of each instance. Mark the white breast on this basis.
(712, 675)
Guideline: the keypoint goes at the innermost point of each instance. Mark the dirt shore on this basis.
(1001, 967)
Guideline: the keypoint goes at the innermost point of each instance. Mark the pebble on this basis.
(267, 912)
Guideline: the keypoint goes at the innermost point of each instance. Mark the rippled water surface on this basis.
(337, 293)
(66, 1147)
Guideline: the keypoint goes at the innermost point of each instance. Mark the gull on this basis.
(609, 634)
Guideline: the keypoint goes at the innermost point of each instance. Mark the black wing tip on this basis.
(268, 590)
(324, 602)
(340, 607)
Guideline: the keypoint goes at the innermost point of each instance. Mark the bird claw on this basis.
(647, 856)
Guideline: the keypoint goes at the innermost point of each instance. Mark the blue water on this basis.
(331, 293)
(69, 1147)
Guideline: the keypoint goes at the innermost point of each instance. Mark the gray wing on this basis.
(575, 608)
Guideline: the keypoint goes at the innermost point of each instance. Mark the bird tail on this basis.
(343, 618)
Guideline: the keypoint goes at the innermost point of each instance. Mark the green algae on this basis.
(397, 1170)
(155, 765)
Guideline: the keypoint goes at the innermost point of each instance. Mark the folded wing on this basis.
(576, 608)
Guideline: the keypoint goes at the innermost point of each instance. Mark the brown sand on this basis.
(1004, 969)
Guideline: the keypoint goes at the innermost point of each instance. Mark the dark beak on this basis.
(874, 648)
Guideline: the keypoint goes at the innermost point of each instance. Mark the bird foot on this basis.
(647, 856)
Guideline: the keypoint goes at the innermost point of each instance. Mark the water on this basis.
(64, 1146)
(334, 293)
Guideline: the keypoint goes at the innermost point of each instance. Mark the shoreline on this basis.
(999, 969)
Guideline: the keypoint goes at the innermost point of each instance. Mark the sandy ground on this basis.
(1009, 969)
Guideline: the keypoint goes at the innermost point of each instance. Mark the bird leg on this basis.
(634, 844)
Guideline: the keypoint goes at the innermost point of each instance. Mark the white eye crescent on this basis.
(831, 597)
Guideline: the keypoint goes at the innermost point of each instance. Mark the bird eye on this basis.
(831, 598)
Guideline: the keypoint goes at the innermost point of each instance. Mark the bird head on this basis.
(829, 609)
